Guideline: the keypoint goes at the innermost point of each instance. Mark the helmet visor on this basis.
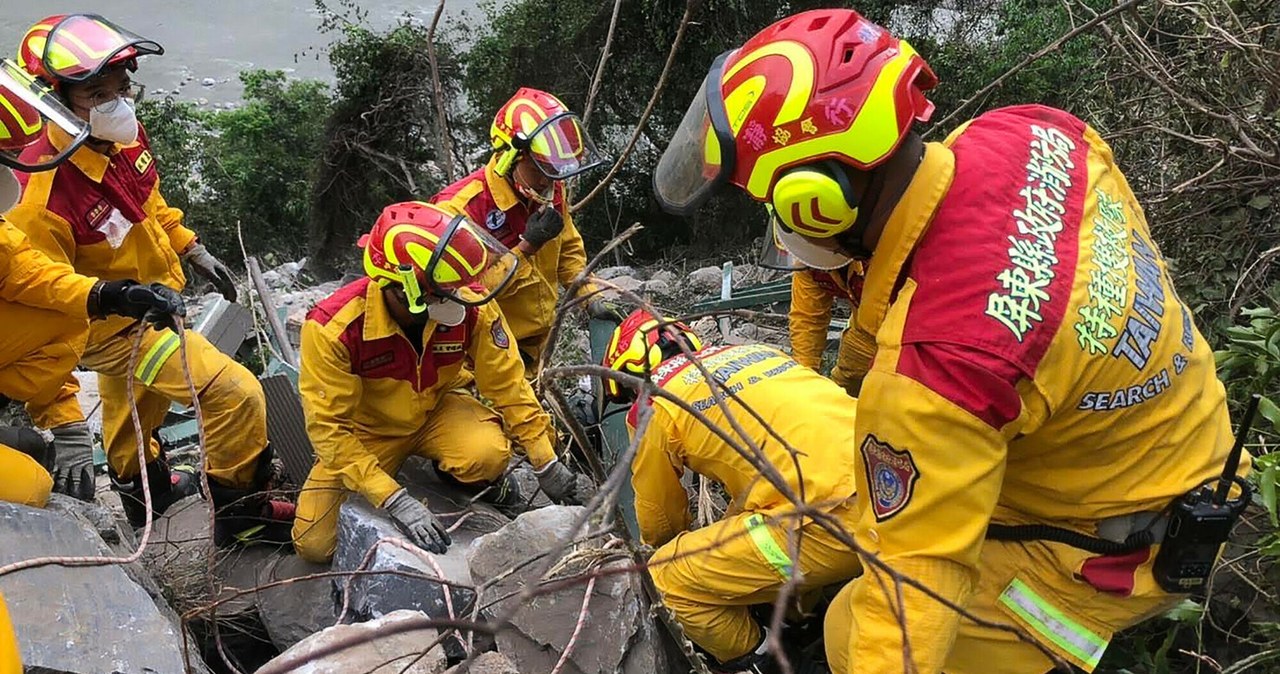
(26, 105)
(701, 154)
(561, 148)
(468, 266)
(773, 255)
(82, 45)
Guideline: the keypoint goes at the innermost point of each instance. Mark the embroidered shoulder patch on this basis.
(143, 162)
(495, 219)
(499, 333)
(892, 475)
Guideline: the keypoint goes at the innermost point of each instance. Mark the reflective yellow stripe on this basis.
(1053, 624)
(149, 367)
(773, 553)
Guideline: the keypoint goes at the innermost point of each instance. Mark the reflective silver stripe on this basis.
(1053, 624)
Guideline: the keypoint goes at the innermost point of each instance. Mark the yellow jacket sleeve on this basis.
(573, 257)
(330, 395)
(500, 378)
(662, 506)
(857, 349)
(170, 220)
(941, 468)
(31, 278)
(808, 319)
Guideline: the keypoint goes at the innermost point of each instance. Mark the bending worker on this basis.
(103, 213)
(1036, 378)
(386, 364)
(813, 293)
(711, 576)
(52, 304)
(519, 197)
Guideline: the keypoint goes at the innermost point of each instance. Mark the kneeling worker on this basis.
(386, 363)
(710, 577)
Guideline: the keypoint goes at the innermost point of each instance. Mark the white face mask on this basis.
(447, 313)
(119, 125)
(810, 254)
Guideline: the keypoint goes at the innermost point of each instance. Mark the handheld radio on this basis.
(1200, 522)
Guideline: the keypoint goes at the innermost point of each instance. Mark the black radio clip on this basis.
(1201, 520)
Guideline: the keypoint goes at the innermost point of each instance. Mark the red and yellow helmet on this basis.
(537, 124)
(68, 48)
(638, 347)
(821, 85)
(434, 254)
(26, 105)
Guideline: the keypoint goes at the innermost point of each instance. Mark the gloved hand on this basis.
(606, 310)
(73, 468)
(211, 268)
(157, 304)
(543, 226)
(564, 486)
(417, 522)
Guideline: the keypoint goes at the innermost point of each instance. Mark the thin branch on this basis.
(442, 116)
(599, 75)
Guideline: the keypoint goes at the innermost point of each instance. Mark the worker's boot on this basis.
(249, 515)
(168, 484)
(758, 661)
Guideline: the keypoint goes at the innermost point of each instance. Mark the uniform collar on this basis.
(378, 323)
(500, 188)
(92, 163)
(907, 224)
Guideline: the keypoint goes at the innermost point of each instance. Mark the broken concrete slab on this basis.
(294, 611)
(369, 653)
(486, 663)
(543, 625)
(84, 619)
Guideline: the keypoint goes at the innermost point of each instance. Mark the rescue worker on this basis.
(52, 304)
(103, 213)
(1034, 364)
(710, 577)
(519, 196)
(813, 294)
(386, 364)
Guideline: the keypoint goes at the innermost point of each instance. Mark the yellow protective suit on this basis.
(371, 400)
(10, 656)
(24, 482)
(1034, 365)
(529, 301)
(49, 301)
(104, 214)
(709, 577)
(813, 293)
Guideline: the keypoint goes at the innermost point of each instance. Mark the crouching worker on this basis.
(386, 364)
(710, 577)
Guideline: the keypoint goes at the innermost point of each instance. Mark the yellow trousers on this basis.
(10, 656)
(38, 350)
(710, 577)
(462, 436)
(22, 479)
(231, 400)
(1042, 589)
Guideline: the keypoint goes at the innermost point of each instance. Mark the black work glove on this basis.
(543, 226)
(563, 485)
(212, 269)
(417, 522)
(73, 468)
(157, 304)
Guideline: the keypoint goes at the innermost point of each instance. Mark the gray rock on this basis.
(85, 619)
(628, 283)
(619, 635)
(371, 654)
(294, 611)
(615, 272)
(486, 663)
(706, 279)
(208, 81)
(178, 552)
(665, 275)
(657, 287)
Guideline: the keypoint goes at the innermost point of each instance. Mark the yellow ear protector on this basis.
(815, 200)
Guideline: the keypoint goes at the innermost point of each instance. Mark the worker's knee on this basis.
(22, 479)
(480, 455)
(836, 628)
(235, 388)
(315, 541)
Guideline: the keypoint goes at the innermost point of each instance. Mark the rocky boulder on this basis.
(485, 663)
(618, 635)
(366, 648)
(614, 272)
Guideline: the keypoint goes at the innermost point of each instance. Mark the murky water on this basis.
(216, 39)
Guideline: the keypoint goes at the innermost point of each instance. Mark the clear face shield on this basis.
(81, 45)
(467, 268)
(27, 106)
(560, 147)
(773, 255)
(701, 154)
